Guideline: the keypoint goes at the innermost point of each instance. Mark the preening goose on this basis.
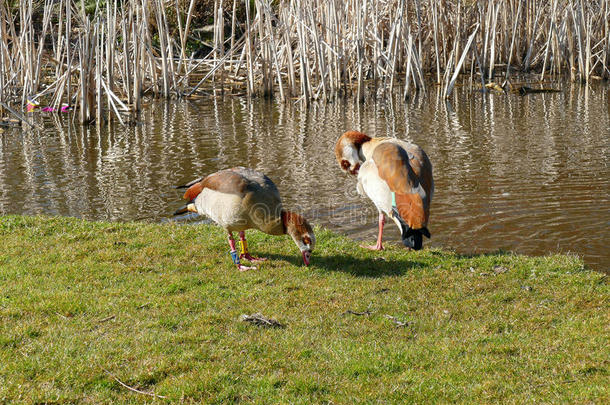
(239, 199)
(396, 176)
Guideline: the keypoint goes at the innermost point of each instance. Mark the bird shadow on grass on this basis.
(360, 267)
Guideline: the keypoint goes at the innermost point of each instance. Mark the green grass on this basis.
(158, 307)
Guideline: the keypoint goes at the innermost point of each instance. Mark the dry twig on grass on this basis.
(398, 323)
(260, 320)
(152, 394)
(349, 311)
(108, 318)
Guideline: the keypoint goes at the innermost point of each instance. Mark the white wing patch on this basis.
(223, 208)
(375, 187)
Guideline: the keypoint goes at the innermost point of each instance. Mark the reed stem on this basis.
(303, 49)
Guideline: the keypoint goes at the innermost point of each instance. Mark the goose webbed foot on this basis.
(251, 258)
(241, 267)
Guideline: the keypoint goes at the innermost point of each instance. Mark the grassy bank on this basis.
(84, 305)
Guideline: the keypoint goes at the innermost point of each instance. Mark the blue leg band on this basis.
(234, 256)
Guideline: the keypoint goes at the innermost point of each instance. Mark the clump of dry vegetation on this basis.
(103, 56)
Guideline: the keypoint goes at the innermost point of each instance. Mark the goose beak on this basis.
(413, 240)
(306, 257)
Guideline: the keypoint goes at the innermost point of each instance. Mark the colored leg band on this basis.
(393, 199)
(243, 247)
(234, 256)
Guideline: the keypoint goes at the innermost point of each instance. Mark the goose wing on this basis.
(403, 173)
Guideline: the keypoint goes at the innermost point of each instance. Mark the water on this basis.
(527, 174)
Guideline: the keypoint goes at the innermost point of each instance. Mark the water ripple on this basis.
(529, 174)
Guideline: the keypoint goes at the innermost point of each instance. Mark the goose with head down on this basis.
(396, 176)
(239, 199)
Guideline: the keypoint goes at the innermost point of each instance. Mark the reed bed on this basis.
(101, 60)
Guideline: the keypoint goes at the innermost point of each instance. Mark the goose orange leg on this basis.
(235, 255)
(244, 254)
(378, 246)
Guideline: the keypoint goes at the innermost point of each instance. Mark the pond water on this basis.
(528, 174)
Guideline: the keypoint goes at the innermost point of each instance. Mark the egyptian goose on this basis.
(396, 176)
(239, 199)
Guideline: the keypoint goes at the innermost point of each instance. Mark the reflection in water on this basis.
(528, 174)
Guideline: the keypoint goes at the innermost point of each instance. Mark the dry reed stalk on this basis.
(138, 61)
(159, 11)
(512, 41)
(300, 48)
(67, 40)
(111, 11)
(19, 116)
(127, 28)
(184, 33)
(149, 63)
(98, 71)
(492, 46)
(265, 52)
(435, 35)
(361, 13)
(420, 82)
(304, 65)
(219, 43)
(46, 19)
(4, 57)
(548, 42)
(215, 67)
(397, 47)
(408, 71)
(336, 48)
(449, 88)
(376, 51)
(248, 52)
(526, 63)
(418, 14)
(605, 33)
(82, 89)
(287, 44)
(273, 48)
(233, 23)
